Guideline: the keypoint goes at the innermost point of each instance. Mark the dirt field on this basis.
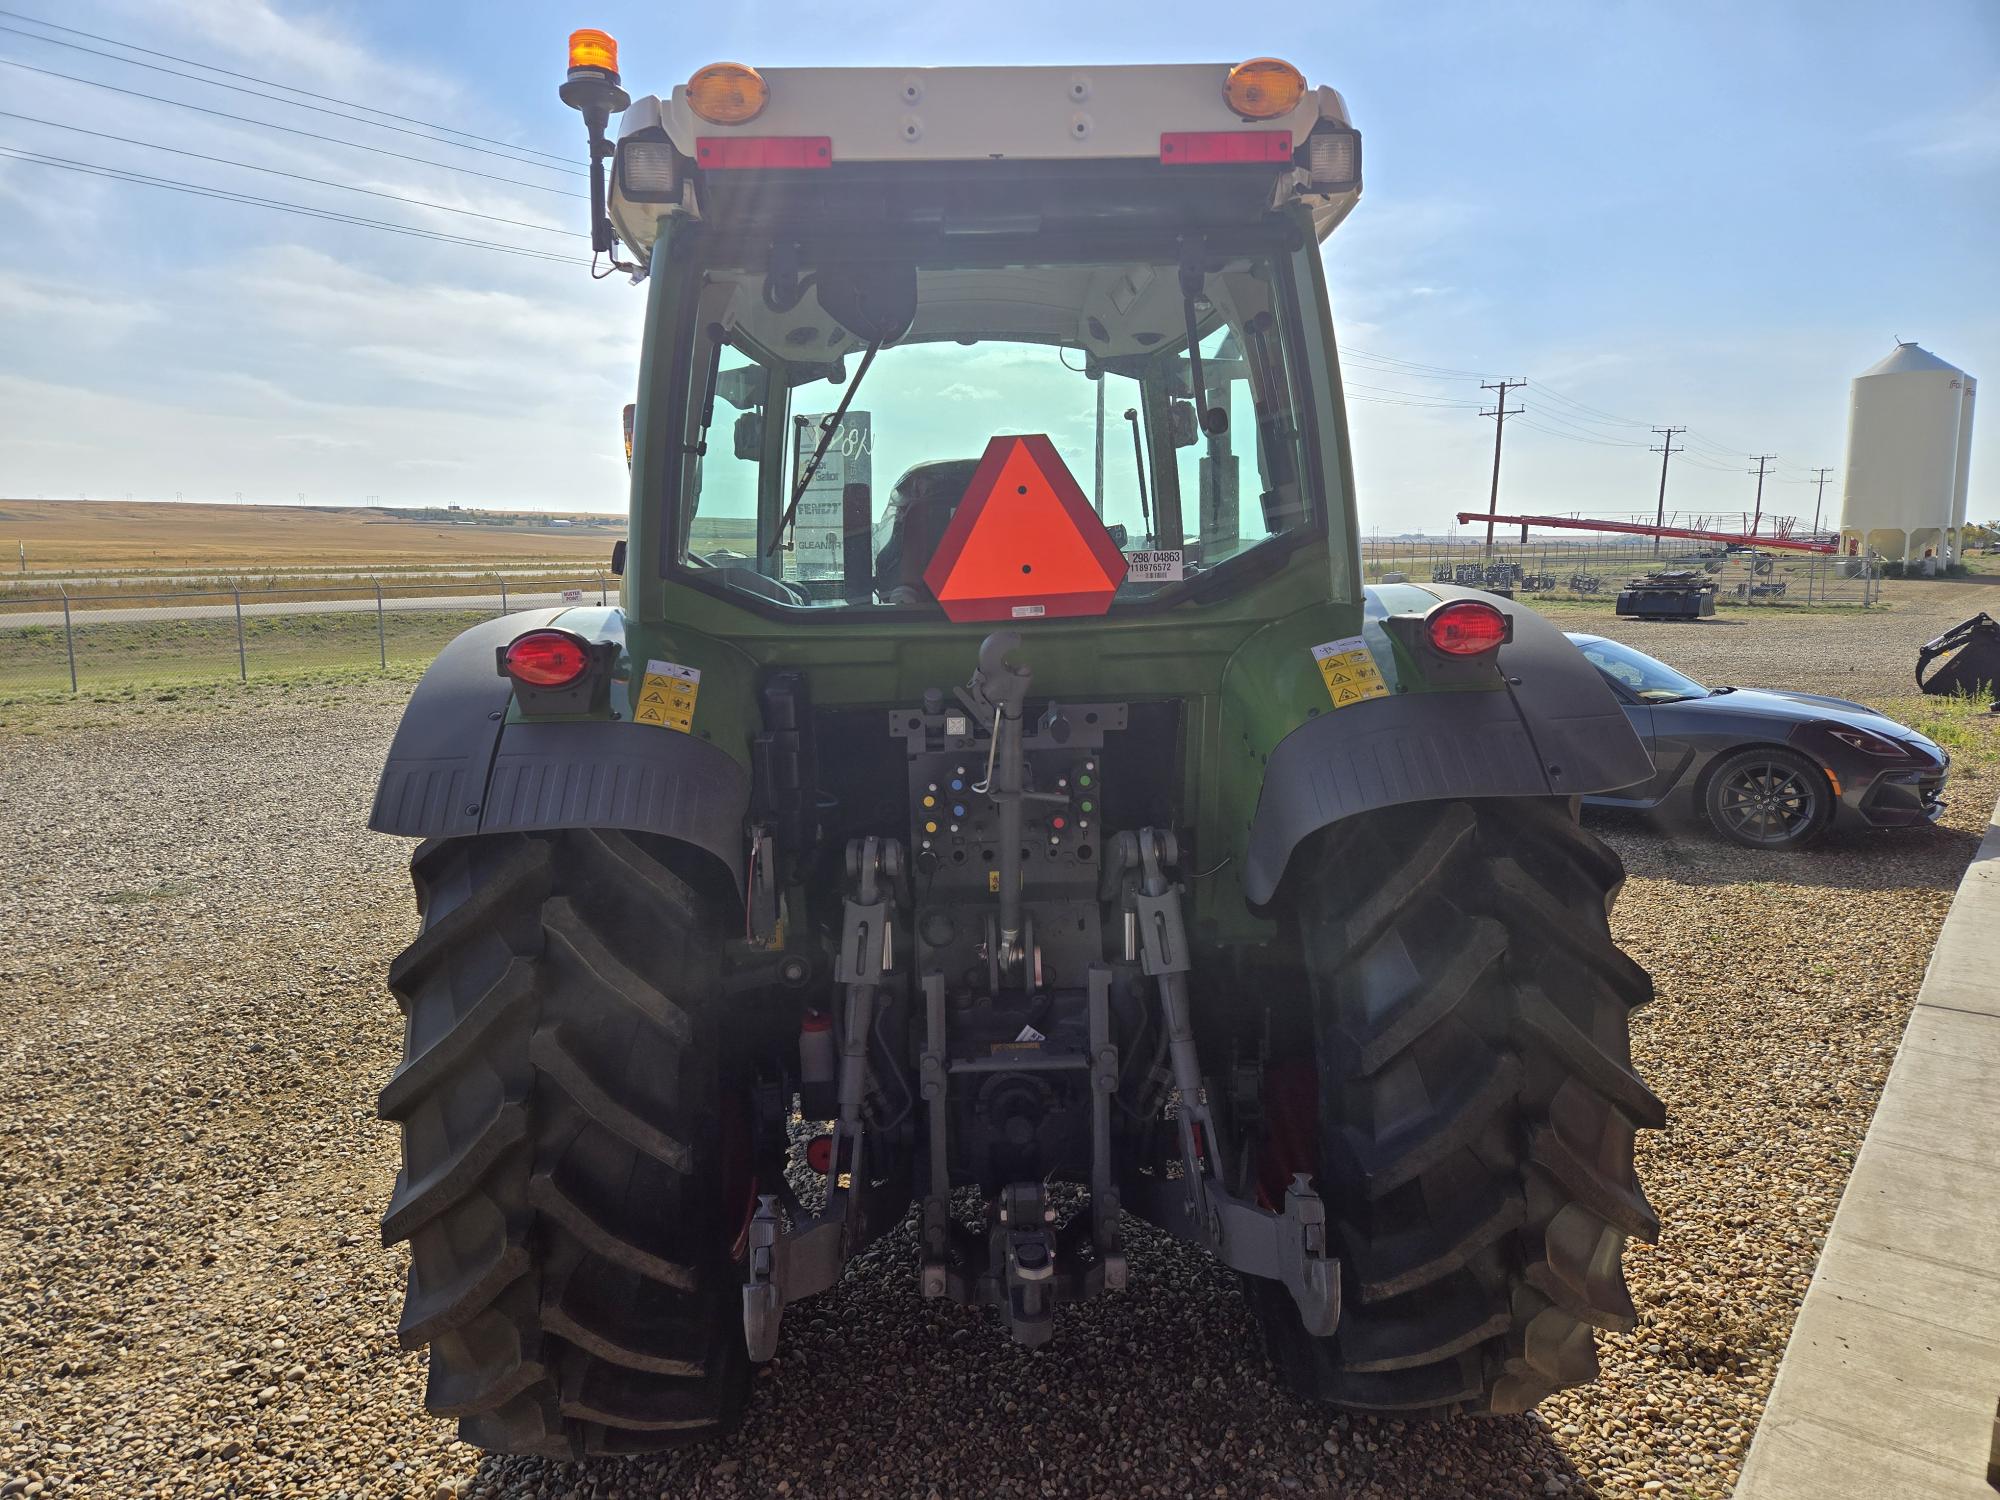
(71, 536)
(194, 1300)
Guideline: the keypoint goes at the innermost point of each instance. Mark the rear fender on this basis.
(1550, 727)
(461, 765)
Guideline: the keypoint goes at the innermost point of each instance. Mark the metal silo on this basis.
(1909, 443)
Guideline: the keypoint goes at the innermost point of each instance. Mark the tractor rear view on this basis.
(995, 804)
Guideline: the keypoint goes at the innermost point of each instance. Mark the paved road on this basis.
(143, 614)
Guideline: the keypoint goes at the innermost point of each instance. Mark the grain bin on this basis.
(1909, 449)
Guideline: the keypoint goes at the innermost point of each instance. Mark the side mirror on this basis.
(618, 558)
(749, 435)
(1181, 424)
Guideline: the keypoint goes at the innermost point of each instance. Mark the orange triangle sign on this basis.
(1024, 543)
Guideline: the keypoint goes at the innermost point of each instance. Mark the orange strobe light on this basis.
(728, 93)
(590, 48)
(1264, 88)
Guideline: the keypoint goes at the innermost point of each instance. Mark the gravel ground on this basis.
(1848, 653)
(193, 1300)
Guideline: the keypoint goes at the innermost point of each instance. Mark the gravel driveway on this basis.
(193, 1300)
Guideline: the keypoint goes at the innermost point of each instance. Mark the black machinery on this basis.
(1681, 594)
(1965, 659)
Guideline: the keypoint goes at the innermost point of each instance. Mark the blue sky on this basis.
(1700, 213)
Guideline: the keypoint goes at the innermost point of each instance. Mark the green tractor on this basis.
(995, 804)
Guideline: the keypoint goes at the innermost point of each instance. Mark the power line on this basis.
(287, 87)
(1499, 414)
(1418, 365)
(1425, 396)
(1573, 437)
(236, 88)
(1583, 434)
(345, 187)
(311, 135)
(120, 174)
(1593, 413)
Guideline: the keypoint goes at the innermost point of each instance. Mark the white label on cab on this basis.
(1154, 567)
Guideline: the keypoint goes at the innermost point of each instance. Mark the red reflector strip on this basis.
(1208, 147)
(742, 151)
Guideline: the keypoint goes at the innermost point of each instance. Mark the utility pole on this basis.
(1666, 450)
(1764, 462)
(1818, 496)
(1499, 414)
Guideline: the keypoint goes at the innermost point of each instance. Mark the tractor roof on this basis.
(974, 125)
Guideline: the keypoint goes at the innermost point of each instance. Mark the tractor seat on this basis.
(920, 507)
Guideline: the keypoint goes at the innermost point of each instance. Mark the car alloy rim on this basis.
(1768, 802)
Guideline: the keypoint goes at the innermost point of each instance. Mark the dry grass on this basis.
(74, 536)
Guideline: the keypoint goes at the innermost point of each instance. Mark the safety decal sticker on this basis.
(666, 696)
(1349, 671)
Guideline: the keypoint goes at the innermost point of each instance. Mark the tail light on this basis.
(1212, 147)
(1465, 627)
(769, 151)
(546, 658)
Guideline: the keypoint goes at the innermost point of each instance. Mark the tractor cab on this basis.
(879, 271)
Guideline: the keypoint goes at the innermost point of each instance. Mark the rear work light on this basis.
(546, 658)
(728, 93)
(1333, 158)
(1465, 627)
(1207, 147)
(769, 151)
(1264, 88)
(648, 169)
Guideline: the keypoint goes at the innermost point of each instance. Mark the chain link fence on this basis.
(1590, 569)
(80, 642)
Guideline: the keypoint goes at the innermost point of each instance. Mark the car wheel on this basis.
(1768, 799)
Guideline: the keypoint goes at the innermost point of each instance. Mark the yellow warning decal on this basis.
(666, 696)
(993, 881)
(1349, 671)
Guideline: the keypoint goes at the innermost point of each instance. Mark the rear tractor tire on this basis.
(1472, 1117)
(572, 1190)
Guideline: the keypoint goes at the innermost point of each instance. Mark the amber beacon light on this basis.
(728, 93)
(592, 90)
(1264, 88)
(594, 49)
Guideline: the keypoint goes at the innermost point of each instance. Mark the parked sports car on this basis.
(1767, 769)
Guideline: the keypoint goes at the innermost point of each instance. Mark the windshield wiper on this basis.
(827, 428)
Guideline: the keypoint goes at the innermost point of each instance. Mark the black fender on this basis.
(1553, 729)
(457, 767)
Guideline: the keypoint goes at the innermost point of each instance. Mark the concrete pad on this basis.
(1889, 1383)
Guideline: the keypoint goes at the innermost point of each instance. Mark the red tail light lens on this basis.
(1466, 627)
(1210, 147)
(547, 658)
(725, 152)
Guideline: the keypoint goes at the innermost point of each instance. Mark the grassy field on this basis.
(165, 655)
(90, 537)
